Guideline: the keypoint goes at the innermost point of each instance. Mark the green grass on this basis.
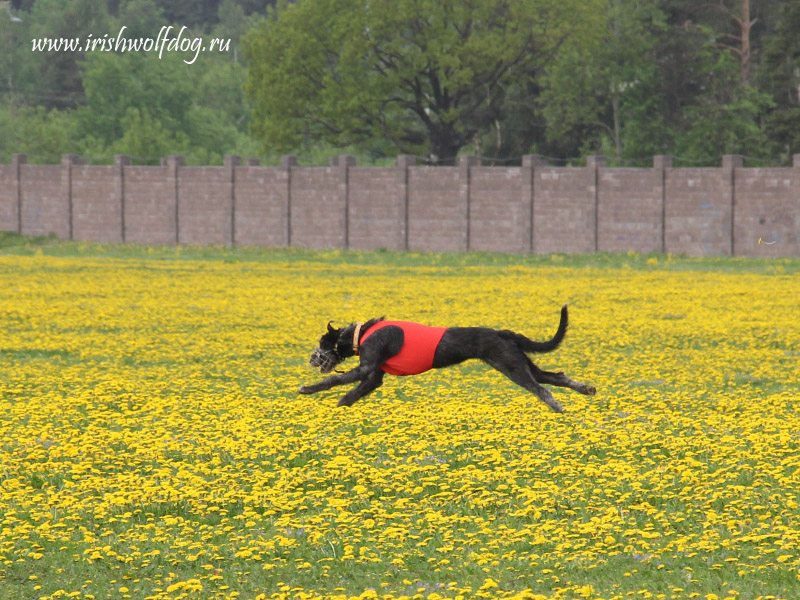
(15, 244)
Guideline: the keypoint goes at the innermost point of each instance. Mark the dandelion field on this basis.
(153, 445)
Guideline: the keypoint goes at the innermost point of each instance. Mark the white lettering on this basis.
(119, 43)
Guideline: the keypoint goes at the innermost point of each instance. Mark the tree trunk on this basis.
(444, 148)
(745, 24)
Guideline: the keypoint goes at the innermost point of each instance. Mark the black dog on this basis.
(403, 348)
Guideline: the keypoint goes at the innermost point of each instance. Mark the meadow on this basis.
(153, 445)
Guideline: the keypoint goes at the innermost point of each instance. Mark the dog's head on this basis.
(328, 354)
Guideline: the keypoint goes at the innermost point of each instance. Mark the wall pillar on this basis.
(595, 163)
(465, 163)
(230, 162)
(174, 162)
(17, 160)
(661, 163)
(67, 161)
(405, 161)
(287, 162)
(731, 162)
(120, 162)
(342, 163)
(530, 162)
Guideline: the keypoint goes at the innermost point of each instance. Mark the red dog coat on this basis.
(419, 346)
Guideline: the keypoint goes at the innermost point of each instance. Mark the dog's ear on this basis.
(331, 329)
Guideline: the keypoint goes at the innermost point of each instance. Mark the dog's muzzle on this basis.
(323, 360)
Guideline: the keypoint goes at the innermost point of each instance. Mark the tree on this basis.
(116, 82)
(41, 134)
(723, 113)
(426, 75)
(233, 25)
(146, 139)
(192, 13)
(58, 78)
(724, 118)
(779, 76)
(15, 63)
(603, 93)
(663, 80)
(141, 18)
(134, 101)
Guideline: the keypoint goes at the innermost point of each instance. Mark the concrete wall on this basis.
(261, 197)
(767, 208)
(96, 204)
(377, 208)
(629, 210)
(499, 216)
(150, 203)
(533, 208)
(564, 210)
(437, 210)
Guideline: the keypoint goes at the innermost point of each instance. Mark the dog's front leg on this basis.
(339, 379)
(370, 383)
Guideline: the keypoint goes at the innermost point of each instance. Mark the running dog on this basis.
(405, 348)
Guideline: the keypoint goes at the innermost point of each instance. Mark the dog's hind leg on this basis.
(560, 379)
(369, 384)
(513, 364)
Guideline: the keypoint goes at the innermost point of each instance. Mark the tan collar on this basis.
(356, 334)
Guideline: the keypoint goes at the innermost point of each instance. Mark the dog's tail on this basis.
(530, 346)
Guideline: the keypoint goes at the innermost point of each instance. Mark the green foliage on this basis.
(142, 18)
(139, 103)
(58, 73)
(624, 78)
(17, 71)
(42, 134)
(724, 119)
(426, 76)
(780, 77)
(146, 139)
(116, 82)
(663, 80)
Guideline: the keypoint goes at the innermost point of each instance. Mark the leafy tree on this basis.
(142, 18)
(58, 76)
(779, 76)
(626, 78)
(146, 139)
(661, 81)
(43, 135)
(724, 119)
(233, 25)
(16, 60)
(203, 15)
(116, 82)
(192, 13)
(135, 100)
(717, 110)
(603, 93)
(220, 87)
(426, 75)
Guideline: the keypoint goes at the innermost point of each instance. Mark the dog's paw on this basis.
(304, 389)
(590, 390)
